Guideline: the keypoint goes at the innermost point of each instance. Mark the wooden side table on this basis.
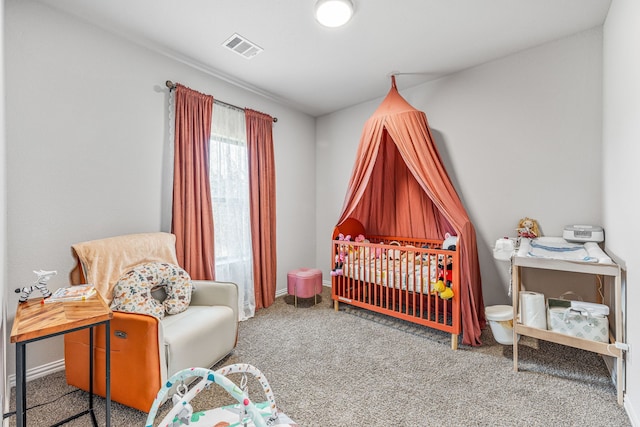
(36, 321)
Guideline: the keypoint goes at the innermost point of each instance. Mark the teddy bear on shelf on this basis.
(528, 227)
(341, 255)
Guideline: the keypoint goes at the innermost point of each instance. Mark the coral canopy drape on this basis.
(399, 187)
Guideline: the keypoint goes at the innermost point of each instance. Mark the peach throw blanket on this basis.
(102, 262)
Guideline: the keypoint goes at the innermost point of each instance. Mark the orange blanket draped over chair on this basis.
(399, 187)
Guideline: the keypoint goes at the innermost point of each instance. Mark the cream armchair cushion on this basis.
(193, 338)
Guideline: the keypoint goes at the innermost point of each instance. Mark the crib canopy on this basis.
(399, 187)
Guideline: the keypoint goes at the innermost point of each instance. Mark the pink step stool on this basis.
(304, 283)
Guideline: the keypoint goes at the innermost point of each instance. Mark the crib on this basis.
(397, 276)
(399, 186)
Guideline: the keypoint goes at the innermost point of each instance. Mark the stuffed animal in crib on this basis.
(411, 256)
(366, 253)
(445, 277)
(442, 290)
(449, 242)
(528, 227)
(358, 251)
(341, 255)
(446, 270)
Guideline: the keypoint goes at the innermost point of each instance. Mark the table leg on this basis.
(91, 368)
(108, 374)
(21, 384)
(91, 346)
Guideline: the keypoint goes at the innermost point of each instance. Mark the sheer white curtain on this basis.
(229, 177)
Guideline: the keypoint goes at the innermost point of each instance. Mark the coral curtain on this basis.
(400, 187)
(192, 219)
(262, 188)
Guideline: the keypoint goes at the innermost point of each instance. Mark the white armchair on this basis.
(145, 351)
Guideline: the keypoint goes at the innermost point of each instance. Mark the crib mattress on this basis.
(418, 278)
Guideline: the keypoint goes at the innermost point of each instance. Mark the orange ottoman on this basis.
(304, 283)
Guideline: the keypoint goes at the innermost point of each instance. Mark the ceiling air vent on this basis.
(242, 46)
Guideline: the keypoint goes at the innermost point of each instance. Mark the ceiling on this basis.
(320, 70)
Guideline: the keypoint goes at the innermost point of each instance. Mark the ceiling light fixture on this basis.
(333, 13)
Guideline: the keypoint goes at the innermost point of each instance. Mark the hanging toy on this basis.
(183, 417)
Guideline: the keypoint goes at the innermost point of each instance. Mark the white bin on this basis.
(500, 319)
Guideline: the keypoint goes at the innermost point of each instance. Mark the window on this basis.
(229, 178)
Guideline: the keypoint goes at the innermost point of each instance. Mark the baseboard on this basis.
(39, 371)
(633, 417)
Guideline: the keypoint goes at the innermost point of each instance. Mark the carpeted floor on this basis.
(357, 368)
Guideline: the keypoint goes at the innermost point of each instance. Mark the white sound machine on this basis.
(583, 233)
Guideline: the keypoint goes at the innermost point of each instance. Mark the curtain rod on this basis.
(172, 86)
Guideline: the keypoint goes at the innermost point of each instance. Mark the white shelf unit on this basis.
(606, 271)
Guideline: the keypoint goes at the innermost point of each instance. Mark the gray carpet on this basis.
(354, 367)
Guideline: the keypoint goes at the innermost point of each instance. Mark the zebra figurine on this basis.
(40, 284)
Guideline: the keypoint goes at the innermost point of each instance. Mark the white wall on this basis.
(87, 141)
(4, 394)
(621, 152)
(520, 136)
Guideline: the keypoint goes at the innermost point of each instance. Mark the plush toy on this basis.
(378, 253)
(446, 270)
(341, 255)
(445, 277)
(364, 252)
(442, 290)
(337, 267)
(357, 251)
(449, 242)
(528, 227)
(395, 254)
(425, 256)
(184, 416)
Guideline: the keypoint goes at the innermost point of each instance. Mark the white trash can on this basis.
(500, 319)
